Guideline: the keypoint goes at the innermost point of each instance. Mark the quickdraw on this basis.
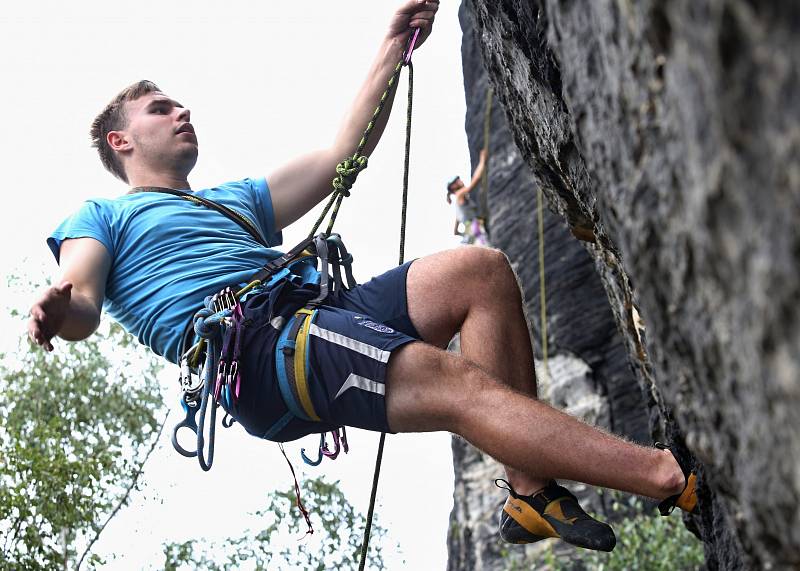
(196, 394)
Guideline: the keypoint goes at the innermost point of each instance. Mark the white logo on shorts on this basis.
(379, 327)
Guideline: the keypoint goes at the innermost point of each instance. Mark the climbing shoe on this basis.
(551, 512)
(687, 499)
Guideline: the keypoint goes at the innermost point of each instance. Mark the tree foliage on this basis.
(335, 544)
(75, 427)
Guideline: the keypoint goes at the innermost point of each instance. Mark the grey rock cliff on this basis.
(667, 135)
(588, 371)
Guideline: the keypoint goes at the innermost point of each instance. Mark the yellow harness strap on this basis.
(300, 360)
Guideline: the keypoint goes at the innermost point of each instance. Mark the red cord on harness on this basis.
(300, 505)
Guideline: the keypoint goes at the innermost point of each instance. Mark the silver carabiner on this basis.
(189, 383)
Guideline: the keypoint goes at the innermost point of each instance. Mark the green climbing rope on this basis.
(542, 293)
(348, 170)
(346, 173)
(487, 124)
(401, 258)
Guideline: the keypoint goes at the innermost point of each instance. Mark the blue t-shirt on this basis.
(169, 253)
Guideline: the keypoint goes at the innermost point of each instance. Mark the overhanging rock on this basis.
(666, 134)
(589, 371)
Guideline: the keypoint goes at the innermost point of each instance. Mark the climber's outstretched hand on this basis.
(72, 308)
(413, 14)
(48, 314)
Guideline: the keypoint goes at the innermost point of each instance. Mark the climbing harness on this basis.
(475, 232)
(217, 381)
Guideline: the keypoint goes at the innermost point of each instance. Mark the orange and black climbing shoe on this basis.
(687, 499)
(551, 512)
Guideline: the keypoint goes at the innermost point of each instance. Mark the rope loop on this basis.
(202, 325)
(346, 173)
(206, 321)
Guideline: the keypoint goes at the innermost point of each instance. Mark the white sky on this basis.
(264, 81)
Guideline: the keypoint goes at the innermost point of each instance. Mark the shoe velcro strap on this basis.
(552, 492)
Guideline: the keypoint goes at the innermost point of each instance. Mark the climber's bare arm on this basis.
(461, 194)
(72, 308)
(478, 174)
(302, 183)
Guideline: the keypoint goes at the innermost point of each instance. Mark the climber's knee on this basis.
(491, 285)
(442, 289)
(491, 274)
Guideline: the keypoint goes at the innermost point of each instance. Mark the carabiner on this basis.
(336, 447)
(188, 422)
(318, 461)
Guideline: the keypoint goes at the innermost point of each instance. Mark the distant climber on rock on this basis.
(370, 356)
(470, 224)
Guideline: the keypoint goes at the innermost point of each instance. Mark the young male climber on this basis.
(467, 214)
(376, 352)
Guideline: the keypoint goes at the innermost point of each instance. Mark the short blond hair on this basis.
(113, 118)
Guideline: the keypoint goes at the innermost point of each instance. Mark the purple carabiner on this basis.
(412, 42)
(221, 379)
(237, 318)
(326, 451)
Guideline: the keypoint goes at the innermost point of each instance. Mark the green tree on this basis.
(76, 426)
(335, 544)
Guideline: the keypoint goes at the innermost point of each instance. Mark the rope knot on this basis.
(347, 172)
(201, 327)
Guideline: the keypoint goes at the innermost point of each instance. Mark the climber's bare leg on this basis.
(429, 389)
(473, 290)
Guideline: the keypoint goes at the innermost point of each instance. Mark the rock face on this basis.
(588, 372)
(667, 135)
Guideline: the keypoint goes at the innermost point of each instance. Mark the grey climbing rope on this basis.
(401, 259)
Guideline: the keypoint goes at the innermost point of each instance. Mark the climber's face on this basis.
(455, 185)
(158, 135)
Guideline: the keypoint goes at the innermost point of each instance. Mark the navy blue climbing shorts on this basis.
(340, 359)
